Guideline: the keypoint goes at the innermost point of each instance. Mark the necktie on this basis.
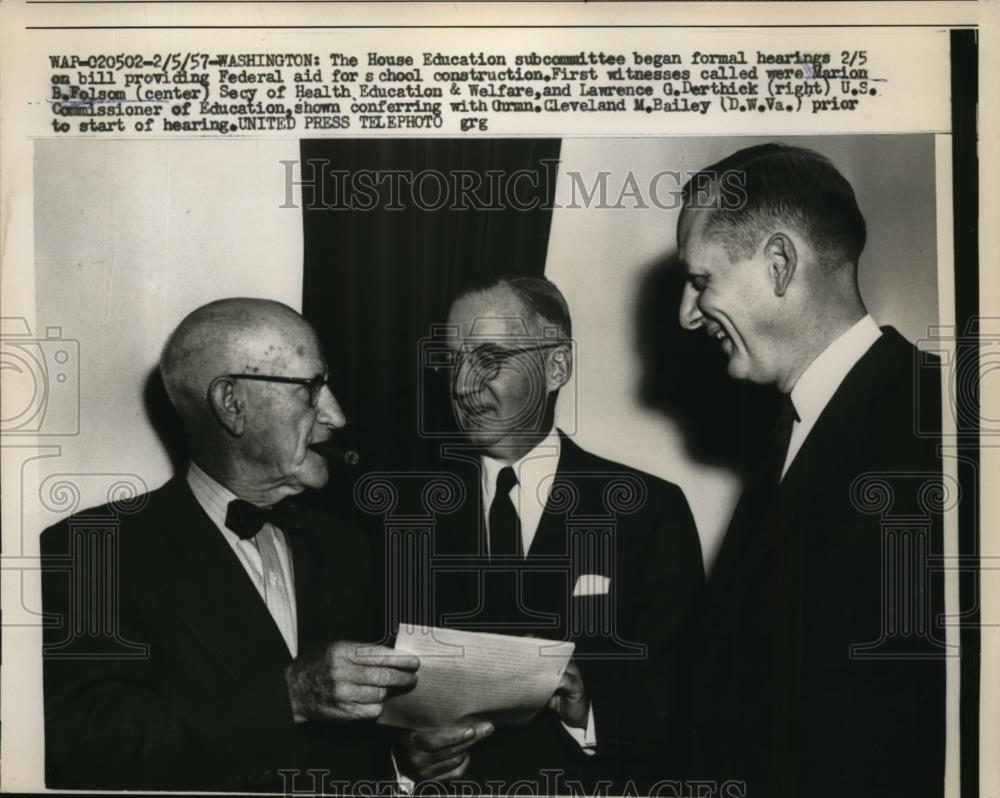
(246, 519)
(754, 513)
(787, 416)
(505, 526)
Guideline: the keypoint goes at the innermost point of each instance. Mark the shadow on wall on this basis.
(723, 421)
(165, 420)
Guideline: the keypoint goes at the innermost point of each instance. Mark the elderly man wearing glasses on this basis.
(558, 544)
(217, 641)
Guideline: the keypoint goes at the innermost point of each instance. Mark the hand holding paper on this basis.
(346, 681)
(570, 700)
(440, 754)
(470, 676)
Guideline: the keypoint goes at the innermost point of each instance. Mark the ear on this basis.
(227, 407)
(782, 259)
(560, 366)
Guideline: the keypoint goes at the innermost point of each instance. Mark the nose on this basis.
(689, 315)
(464, 378)
(329, 410)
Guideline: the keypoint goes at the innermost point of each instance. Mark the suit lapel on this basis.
(313, 606)
(552, 536)
(548, 591)
(462, 535)
(844, 423)
(208, 587)
(847, 418)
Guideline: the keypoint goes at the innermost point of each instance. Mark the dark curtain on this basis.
(385, 251)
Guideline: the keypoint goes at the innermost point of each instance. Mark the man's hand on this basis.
(570, 700)
(440, 754)
(347, 681)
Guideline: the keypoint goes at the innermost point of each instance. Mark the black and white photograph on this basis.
(571, 462)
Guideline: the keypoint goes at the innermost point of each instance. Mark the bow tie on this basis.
(246, 519)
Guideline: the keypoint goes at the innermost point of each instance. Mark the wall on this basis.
(128, 240)
(601, 259)
(129, 237)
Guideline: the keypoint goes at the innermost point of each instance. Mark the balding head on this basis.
(229, 336)
(253, 435)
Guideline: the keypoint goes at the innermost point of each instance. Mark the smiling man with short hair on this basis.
(820, 660)
(561, 544)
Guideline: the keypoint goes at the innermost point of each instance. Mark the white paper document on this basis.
(469, 676)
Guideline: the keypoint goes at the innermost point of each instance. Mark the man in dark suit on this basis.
(205, 635)
(556, 542)
(820, 666)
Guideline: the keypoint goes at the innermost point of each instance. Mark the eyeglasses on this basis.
(485, 360)
(314, 384)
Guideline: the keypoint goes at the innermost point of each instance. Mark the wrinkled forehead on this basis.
(494, 315)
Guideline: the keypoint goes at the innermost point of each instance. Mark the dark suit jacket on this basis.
(820, 668)
(163, 667)
(601, 518)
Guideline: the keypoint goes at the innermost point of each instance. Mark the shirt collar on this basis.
(531, 469)
(213, 497)
(820, 380)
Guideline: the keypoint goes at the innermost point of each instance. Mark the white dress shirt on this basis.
(535, 473)
(214, 500)
(820, 381)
